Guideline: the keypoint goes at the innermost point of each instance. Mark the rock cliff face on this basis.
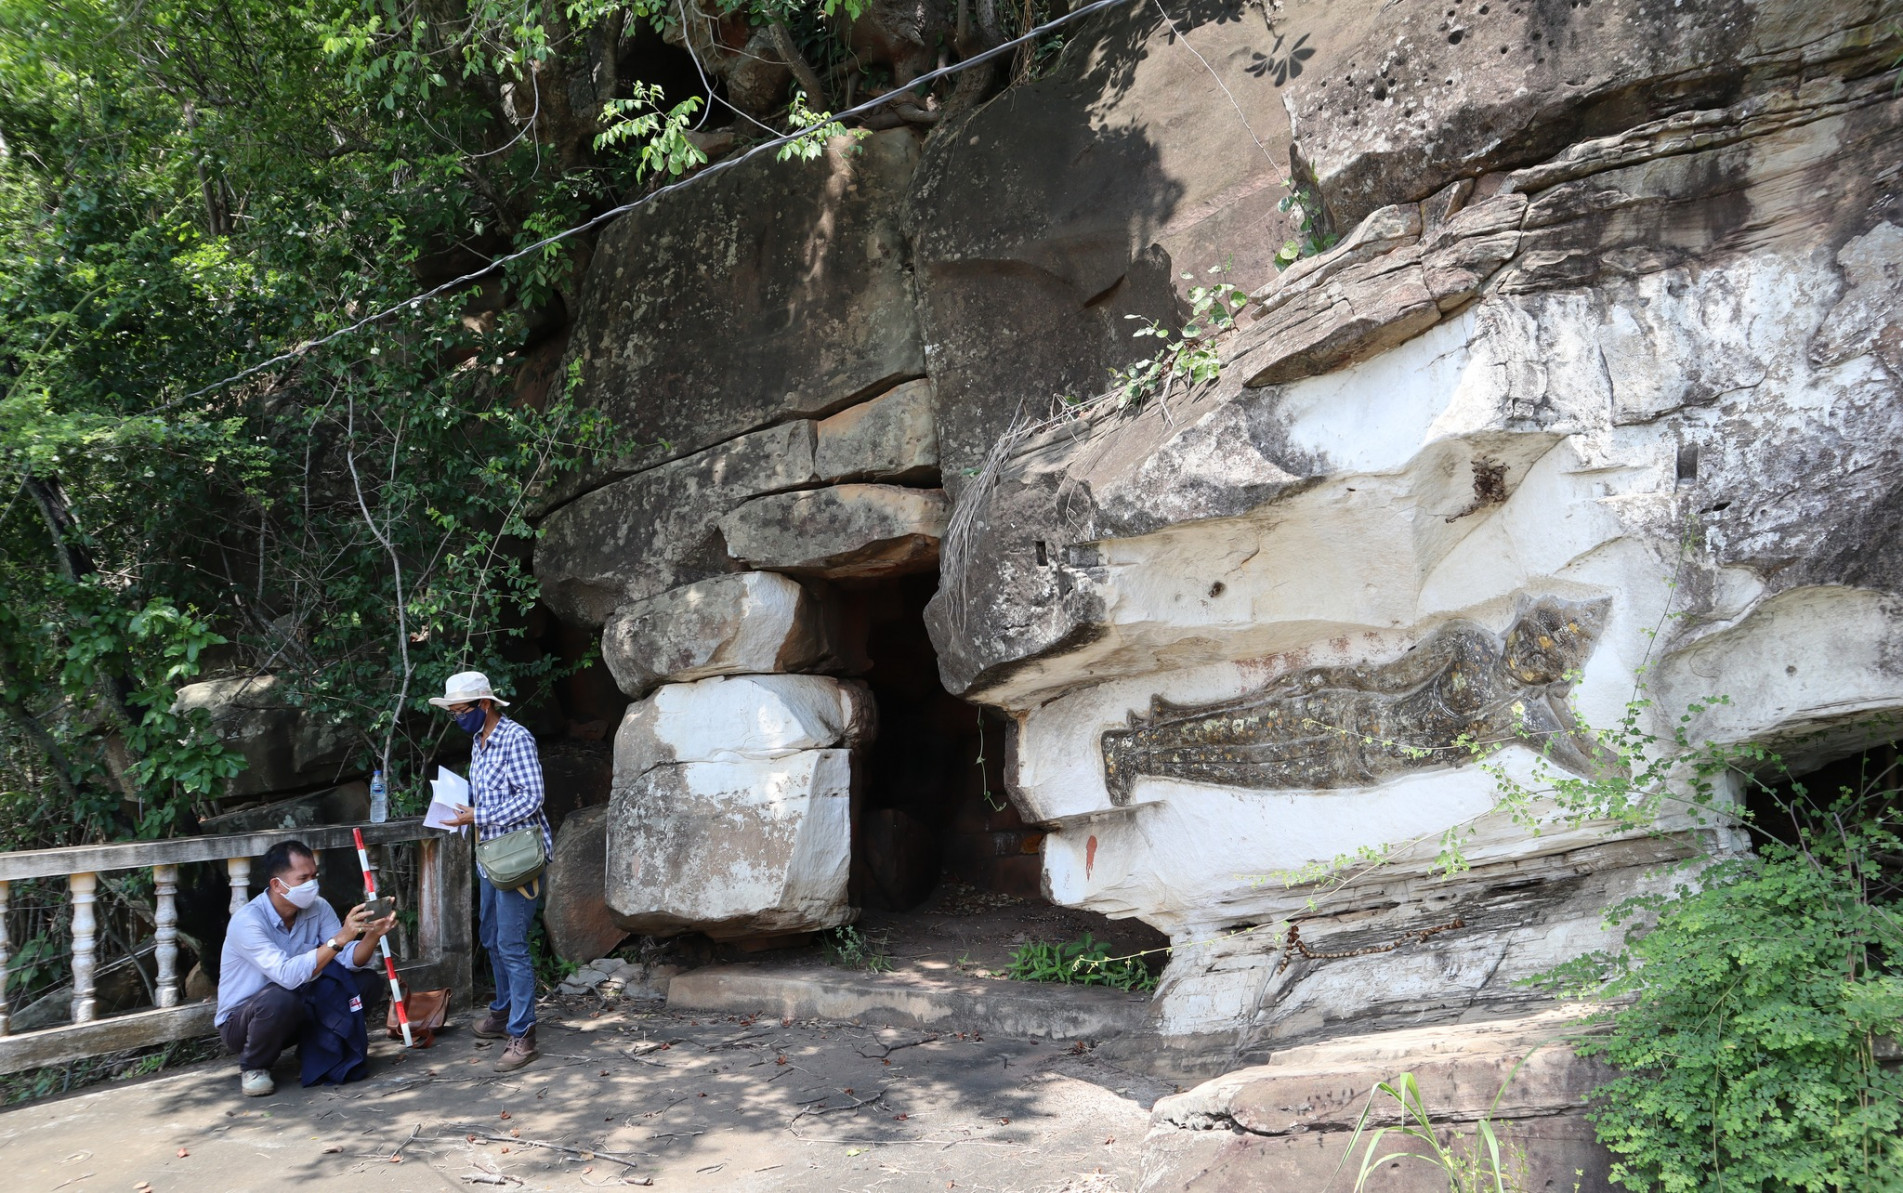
(1600, 378)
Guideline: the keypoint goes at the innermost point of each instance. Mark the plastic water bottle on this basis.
(379, 799)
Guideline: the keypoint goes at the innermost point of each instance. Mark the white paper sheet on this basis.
(447, 790)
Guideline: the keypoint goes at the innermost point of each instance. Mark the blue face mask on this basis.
(471, 721)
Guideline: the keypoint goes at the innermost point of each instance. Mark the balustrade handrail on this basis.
(175, 851)
(443, 900)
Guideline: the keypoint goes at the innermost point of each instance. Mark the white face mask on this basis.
(302, 895)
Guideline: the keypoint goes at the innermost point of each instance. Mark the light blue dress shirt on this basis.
(260, 950)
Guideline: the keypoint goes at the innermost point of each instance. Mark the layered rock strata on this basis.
(1646, 372)
(1291, 1123)
(1599, 379)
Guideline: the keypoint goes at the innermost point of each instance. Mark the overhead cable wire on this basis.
(457, 283)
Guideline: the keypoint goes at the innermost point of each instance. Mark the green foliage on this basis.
(1310, 238)
(183, 191)
(1469, 1164)
(816, 128)
(662, 134)
(1757, 993)
(1188, 357)
(550, 970)
(849, 948)
(1084, 962)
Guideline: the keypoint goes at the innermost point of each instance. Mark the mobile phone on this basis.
(381, 908)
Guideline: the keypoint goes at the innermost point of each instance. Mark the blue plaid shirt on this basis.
(505, 784)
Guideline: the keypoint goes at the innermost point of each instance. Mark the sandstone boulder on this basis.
(798, 267)
(285, 747)
(750, 623)
(1395, 103)
(1039, 223)
(580, 924)
(657, 530)
(343, 804)
(749, 847)
(1290, 1123)
(891, 437)
(729, 718)
(1502, 389)
(844, 531)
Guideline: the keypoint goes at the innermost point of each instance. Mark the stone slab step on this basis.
(909, 1000)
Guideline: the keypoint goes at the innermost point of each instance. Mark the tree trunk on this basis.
(75, 564)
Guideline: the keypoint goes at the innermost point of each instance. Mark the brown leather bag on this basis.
(429, 1011)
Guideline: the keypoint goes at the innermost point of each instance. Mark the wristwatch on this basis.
(333, 946)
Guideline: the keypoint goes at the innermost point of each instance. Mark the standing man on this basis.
(505, 781)
(276, 946)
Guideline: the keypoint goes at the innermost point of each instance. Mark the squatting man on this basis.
(275, 948)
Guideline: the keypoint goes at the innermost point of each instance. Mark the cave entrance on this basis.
(930, 805)
(1828, 782)
(946, 874)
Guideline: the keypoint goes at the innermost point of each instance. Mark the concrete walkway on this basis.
(688, 1102)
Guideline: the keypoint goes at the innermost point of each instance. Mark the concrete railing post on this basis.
(6, 944)
(239, 868)
(165, 925)
(84, 928)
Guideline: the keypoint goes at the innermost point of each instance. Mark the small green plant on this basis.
(1470, 1164)
(1310, 238)
(1188, 356)
(849, 948)
(1084, 962)
(550, 970)
(816, 128)
(662, 134)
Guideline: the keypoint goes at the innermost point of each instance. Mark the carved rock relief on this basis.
(1333, 727)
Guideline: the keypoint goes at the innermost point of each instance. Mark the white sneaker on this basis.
(256, 1083)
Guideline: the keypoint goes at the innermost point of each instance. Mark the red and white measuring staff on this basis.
(389, 965)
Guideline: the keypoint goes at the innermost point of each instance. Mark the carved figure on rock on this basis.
(1330, 727)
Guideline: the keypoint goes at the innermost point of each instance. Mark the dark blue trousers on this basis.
(506, 916)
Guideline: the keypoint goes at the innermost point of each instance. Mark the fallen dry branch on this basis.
(580, 1153)
(889, 1049)
(810, 1109)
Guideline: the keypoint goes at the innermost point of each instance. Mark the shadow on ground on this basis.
(621, 1095)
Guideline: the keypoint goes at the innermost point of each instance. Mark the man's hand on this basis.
(357, 922)
(376, 930)
(464, 815)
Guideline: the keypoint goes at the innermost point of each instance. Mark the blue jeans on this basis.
(506, 916)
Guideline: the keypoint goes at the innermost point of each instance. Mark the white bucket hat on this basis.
(467, 687)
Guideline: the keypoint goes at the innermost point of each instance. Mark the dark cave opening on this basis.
(930, 803)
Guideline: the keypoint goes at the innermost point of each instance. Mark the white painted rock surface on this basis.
(1442, 419)
(841, 532)
(750, 847)
(731, 718)
(892, 437)
(753, 622)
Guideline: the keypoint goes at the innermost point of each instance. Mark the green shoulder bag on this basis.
(515, 859)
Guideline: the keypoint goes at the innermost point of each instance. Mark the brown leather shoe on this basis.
(493, 1026)
(519, 1051)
